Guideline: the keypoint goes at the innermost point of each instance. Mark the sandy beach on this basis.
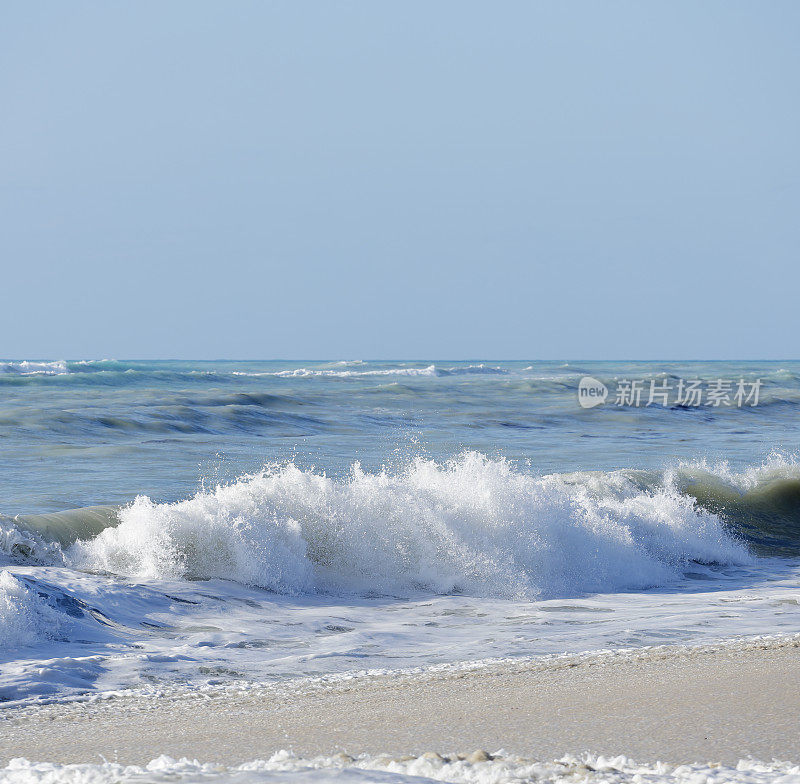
(717, 704)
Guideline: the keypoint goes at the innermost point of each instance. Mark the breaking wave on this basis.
(429, 370)
(761, 503)
(470, 525)
(25, 617)
(33, 368)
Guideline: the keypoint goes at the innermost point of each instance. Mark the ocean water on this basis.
(186, 525)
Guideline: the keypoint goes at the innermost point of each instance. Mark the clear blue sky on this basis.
(400, 179)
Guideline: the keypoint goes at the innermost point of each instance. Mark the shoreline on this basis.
(676, 705)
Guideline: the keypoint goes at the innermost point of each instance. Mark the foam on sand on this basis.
(479, 768)
(679, 705)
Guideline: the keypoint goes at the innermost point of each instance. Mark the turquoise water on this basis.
(77, 434)
(187, 524)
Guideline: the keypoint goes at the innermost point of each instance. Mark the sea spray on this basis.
(469, 525)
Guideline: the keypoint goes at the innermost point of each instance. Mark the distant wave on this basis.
(430, 370)
(237, 415)
(780, 384)
(34, 368)
(476, 370)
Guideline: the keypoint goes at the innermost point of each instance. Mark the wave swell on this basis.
(762, 503)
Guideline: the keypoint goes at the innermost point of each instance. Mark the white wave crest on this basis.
(776, 467)
(477, 370)
(29, 368)
(430, 370)
(471, 525)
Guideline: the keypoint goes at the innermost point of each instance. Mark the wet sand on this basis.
(675, 705)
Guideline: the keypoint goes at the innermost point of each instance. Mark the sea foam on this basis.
(25, 617)
(284, 768)
(469, 525)
(35, 368)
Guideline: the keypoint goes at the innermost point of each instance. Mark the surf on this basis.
(470, 525)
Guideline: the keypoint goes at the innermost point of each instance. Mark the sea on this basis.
(177, 525)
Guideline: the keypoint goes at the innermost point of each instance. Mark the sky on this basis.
(576, 180)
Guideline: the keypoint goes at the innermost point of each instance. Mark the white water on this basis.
(25, 617)
(290, 573)
(116, 634)
(428, 370)
(30, 368)
(284, 767)
(471, 525)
